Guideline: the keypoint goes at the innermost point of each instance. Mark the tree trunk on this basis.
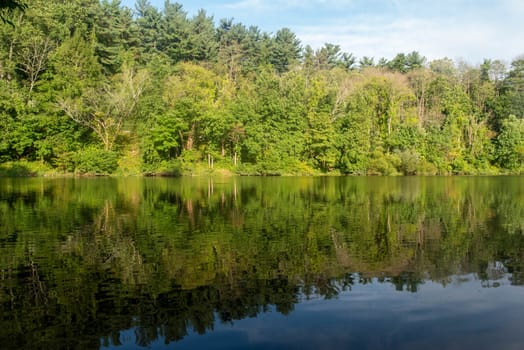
(421, 111)
(190, 138)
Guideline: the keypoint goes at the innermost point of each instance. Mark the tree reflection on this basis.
(83, 259)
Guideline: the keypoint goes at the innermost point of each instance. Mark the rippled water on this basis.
(262, 263)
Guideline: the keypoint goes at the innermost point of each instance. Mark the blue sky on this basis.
(468, 30)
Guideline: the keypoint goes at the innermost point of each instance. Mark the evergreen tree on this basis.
(285, 50)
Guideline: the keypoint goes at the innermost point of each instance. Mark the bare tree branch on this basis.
(105, 109)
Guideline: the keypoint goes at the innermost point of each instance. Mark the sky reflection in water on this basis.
(466, 313)
(262, 263)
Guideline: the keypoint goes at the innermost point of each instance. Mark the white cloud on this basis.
(248, 4)
(456, 37)
(280, 5)
(468, 29)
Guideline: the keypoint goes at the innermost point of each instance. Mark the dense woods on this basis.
(95, 87)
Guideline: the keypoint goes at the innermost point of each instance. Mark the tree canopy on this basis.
(8, 6)
(162, 91)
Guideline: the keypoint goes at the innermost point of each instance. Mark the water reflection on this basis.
(87, 259)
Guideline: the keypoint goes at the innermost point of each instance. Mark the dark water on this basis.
(262, 263)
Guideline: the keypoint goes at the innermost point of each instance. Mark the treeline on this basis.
(95, 87)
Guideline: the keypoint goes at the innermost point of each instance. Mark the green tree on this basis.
(232, 39)
(258, 47)
(202, 41)
(510, 144)
(330, 56)
(511, 100)
(444, 66)
(148, 22)
(116, 34)
(105, 108)
(7, 7)
(190, 95)
(321, 135)
(366, 62)
(285, 51)
(404, 63)
(174, 32)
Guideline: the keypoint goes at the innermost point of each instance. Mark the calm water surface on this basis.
(262, 263)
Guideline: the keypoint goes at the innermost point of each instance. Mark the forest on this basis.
(94, 87)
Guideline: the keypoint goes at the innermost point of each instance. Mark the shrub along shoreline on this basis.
(38, 169)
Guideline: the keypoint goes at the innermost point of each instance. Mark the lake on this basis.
(262, 263)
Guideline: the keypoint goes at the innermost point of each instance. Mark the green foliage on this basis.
(383, 164)
(510, 144)
(7, 7)
(163, 83)
(24, 169)
(285, 51)
(115, 34)
(410, 162)
(96, 161)
(404, 63)
(513, 89)
(166, 168)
